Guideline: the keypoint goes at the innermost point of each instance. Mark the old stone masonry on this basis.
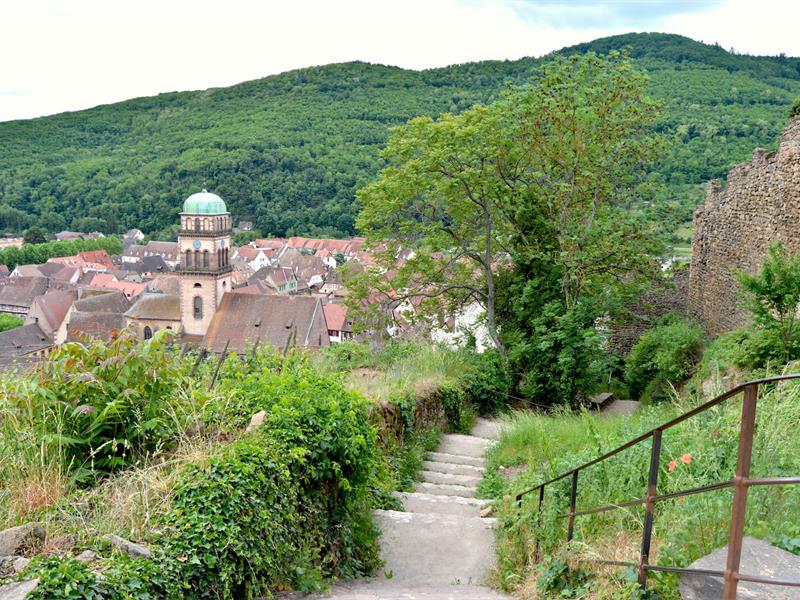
(733, 230)
(439, 547)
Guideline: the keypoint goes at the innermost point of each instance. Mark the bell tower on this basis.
(205, 240)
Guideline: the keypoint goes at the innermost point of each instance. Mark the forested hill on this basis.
(289, 151)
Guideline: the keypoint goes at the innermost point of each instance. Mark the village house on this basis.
(169, 251)
(23, 345)
(17, 294)
(280, 279)
(153, 312)
(98, 314)
(50, 309)
(254, 258)
(340, 328)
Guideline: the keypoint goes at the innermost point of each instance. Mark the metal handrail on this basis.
(741, 482)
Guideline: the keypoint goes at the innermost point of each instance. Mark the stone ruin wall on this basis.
(733, 230)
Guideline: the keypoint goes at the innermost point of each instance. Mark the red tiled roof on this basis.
(335, 315)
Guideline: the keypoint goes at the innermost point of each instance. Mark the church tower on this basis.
(205, 240)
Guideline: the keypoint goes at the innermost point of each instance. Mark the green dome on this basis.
(204, 203)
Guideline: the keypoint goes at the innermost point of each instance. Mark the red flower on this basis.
(686, 459)
(672, 466)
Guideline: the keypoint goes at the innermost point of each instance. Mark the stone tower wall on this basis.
(734, 228)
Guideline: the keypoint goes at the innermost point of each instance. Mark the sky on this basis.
(60, 55)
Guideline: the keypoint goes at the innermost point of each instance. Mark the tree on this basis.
(529, 206)
(438, 200)
(772, 296)
(35, 235)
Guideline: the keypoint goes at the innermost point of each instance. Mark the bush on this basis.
(235, 525)
(104, 405)
(487, 384)
(772, 296)
(458, 410)
(664, 354)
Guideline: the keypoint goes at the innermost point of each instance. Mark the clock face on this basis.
(196, 244)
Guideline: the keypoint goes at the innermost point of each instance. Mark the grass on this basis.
(394, 370)
(703, 450)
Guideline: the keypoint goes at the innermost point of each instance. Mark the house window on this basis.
(148, 333)
(197, 224)
(198, 307)
(188, 259)
(205, 258)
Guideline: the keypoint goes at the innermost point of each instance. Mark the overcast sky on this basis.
(62, 55)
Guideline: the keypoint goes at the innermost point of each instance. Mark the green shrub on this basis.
(795, 110)
(771, 297)
(458, 410)
(104, 405)
(63, 579)
(487, 384)
(235, 524)
(663, 355)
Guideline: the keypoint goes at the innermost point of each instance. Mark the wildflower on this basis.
(686, 459)
(681, 500)
(672, 466)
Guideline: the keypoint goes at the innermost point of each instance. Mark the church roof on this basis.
(204, 203)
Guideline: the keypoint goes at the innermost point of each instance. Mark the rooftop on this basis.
(204, 203)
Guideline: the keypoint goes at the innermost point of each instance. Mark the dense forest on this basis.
(289, 151)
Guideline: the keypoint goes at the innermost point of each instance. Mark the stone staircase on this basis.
(438, 547)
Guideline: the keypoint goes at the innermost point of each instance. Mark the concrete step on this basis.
(456, 459)
(489, 429)
(452, 468)
(465, 445)
(390, 589)
(446, 505)
(437, 477)
(430, 549)
(444, 489)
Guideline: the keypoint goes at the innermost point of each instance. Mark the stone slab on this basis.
(453, 468)
(758, 558)
(447, 505)
(444, 489)
(383, 589)
(435, 549)
(437, 477)
(457, 459)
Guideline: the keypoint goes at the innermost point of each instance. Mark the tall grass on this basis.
(697, 452)
(395, 369)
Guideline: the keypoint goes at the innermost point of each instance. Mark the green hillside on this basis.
(289, 151)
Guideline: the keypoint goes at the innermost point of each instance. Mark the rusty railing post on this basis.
(573, 500)
(649, 506)
(538, 523)
(740, 488)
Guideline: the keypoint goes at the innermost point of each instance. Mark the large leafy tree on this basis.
(435, 214)
(528, 206)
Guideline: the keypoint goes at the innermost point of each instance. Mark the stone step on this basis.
(488, 429)
(446, 505)
(456, 459)
(465, 445)
(436, 549)
(452, 468)
(444, 489)
(437, 477)
(390, 589)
